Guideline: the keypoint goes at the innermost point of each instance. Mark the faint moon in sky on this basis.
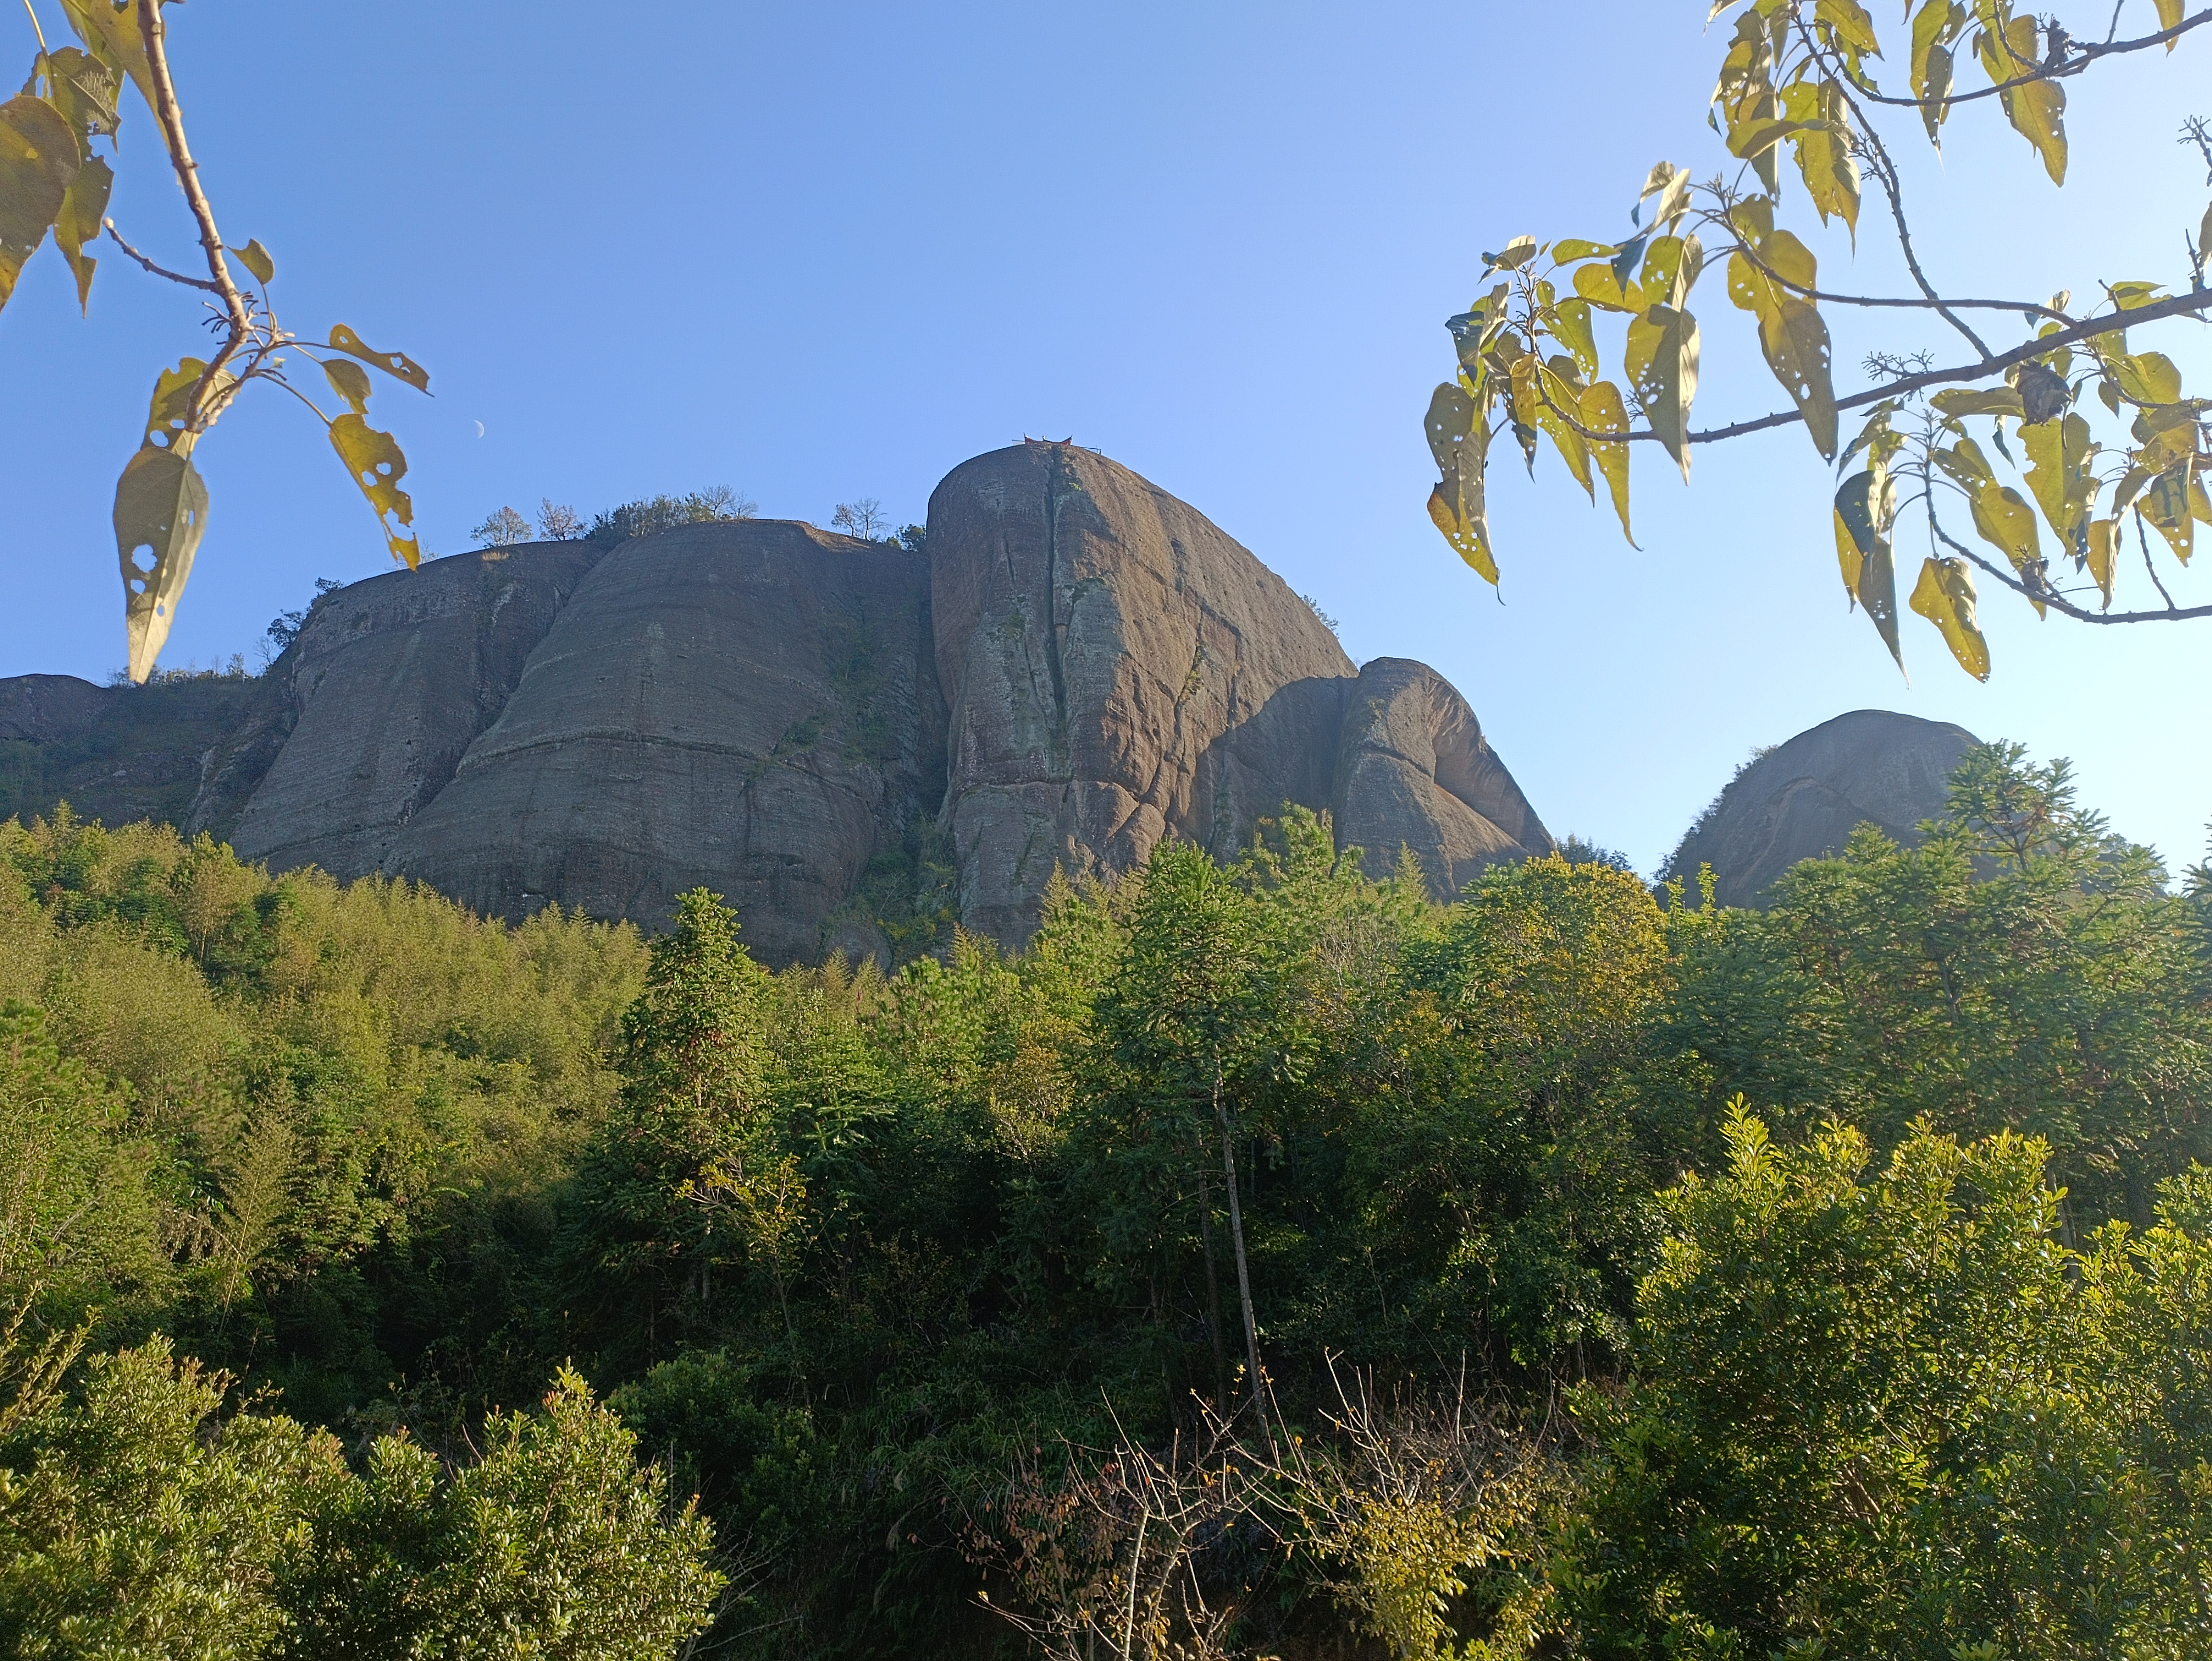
(480, 429)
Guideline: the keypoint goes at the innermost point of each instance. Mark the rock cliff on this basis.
(857, 743)
(1804, 798)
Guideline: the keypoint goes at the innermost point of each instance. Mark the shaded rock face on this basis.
(1802, 800)
(855, 745)
(1413, 771)
(747, 707)
(1098, 640)
(388, 684)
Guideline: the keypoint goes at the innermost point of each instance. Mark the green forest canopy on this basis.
(1631, 1277)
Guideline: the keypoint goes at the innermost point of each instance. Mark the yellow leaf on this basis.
(112, 33)
(345, 340)
(2104, 544)
(1518, 252)
(1558, 386)
(1791, 331)
(171, 405)
(377, 466)
(1575, 249)
(1825, 159)
(38, 158)
(2148, 377)
(1600, 286)
(1671, 184)
(1850, 23)
(78, 223)
(1963, 401)
(1945, 596)
(160, 514)
(1604, 412)
(1450, 419)
(1570, 327)
(1457, 440)
(350, 381)
(255, 258)
(1937, 22)
(1864, 505)
(1661, 364)
(2037, 109)
(2169, 14)
(2060, 452)
(2166, 504)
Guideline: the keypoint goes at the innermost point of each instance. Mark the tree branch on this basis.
(116, 237)
(2058, 601)
(2072, 66)
(152, 33)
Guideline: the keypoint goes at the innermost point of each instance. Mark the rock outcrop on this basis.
(115, 753)
(749, 707)
(1802, 800)
(855, 743)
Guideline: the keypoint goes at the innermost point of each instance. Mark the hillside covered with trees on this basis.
(1627, 1275)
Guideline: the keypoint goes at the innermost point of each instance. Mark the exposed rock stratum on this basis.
(847, 739)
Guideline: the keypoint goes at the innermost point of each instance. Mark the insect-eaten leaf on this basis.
(82, 89)
(344, 339)
(2060, 456)
(2036, 109)
(255, 258)
(1456, 438)
(1514, 255)
(2166, 503)
(1957, 401)
(38, 158)
(1662, 362)
(112, 33)
(1865, 504)
(169, 411)
(1603, 411)
(1791, 331)
(160, 514)
(1945, 596)
(374, 461)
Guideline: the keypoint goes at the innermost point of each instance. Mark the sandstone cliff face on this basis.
(1804, 798)
(747, 706)
(854, 744)
(390, 681)
(1413, 771)
(1098, 640)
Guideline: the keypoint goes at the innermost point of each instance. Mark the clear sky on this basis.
(829, 251)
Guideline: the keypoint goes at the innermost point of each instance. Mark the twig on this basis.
(116, 237)
(2072, 66)
(2142, 541)
(152, 32)
(36, 29)
(2058, 601)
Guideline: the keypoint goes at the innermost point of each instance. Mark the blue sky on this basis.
(823, 251)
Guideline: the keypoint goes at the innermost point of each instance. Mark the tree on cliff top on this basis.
(1803, 74)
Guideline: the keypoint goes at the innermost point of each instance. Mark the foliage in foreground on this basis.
(942, 1290)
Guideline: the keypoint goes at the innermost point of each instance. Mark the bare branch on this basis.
(116, 237)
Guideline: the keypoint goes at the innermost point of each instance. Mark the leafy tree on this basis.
(1803, 74)
(503, 529)
(715, 505)
(52, 179)
(1893, 1414)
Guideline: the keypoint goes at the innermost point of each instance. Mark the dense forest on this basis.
(1265, 1262)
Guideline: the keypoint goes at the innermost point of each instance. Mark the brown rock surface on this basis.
(1802, 800)
(1413, 771)
(745, 706)
(1098, 642)
(389, 681)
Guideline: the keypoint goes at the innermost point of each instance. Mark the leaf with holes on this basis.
(1603, 411)
(1823, 148)
(1936, 24)
(1957, 401)
(169, 411)
(2037, 109)
(2166, 503)
(38, 158)
(344, 339)
(374, 461)
(1603, 286)
(1570, 327)
(2060, 456)
(1791, 331)
(112, 35)
(1559, 389)
(1663, 366)
(82, 89)
(1945, 596)
(1864, 507)
(160, 514)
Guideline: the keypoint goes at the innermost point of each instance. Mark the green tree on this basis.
(1892, 1415)
(1811, 75)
